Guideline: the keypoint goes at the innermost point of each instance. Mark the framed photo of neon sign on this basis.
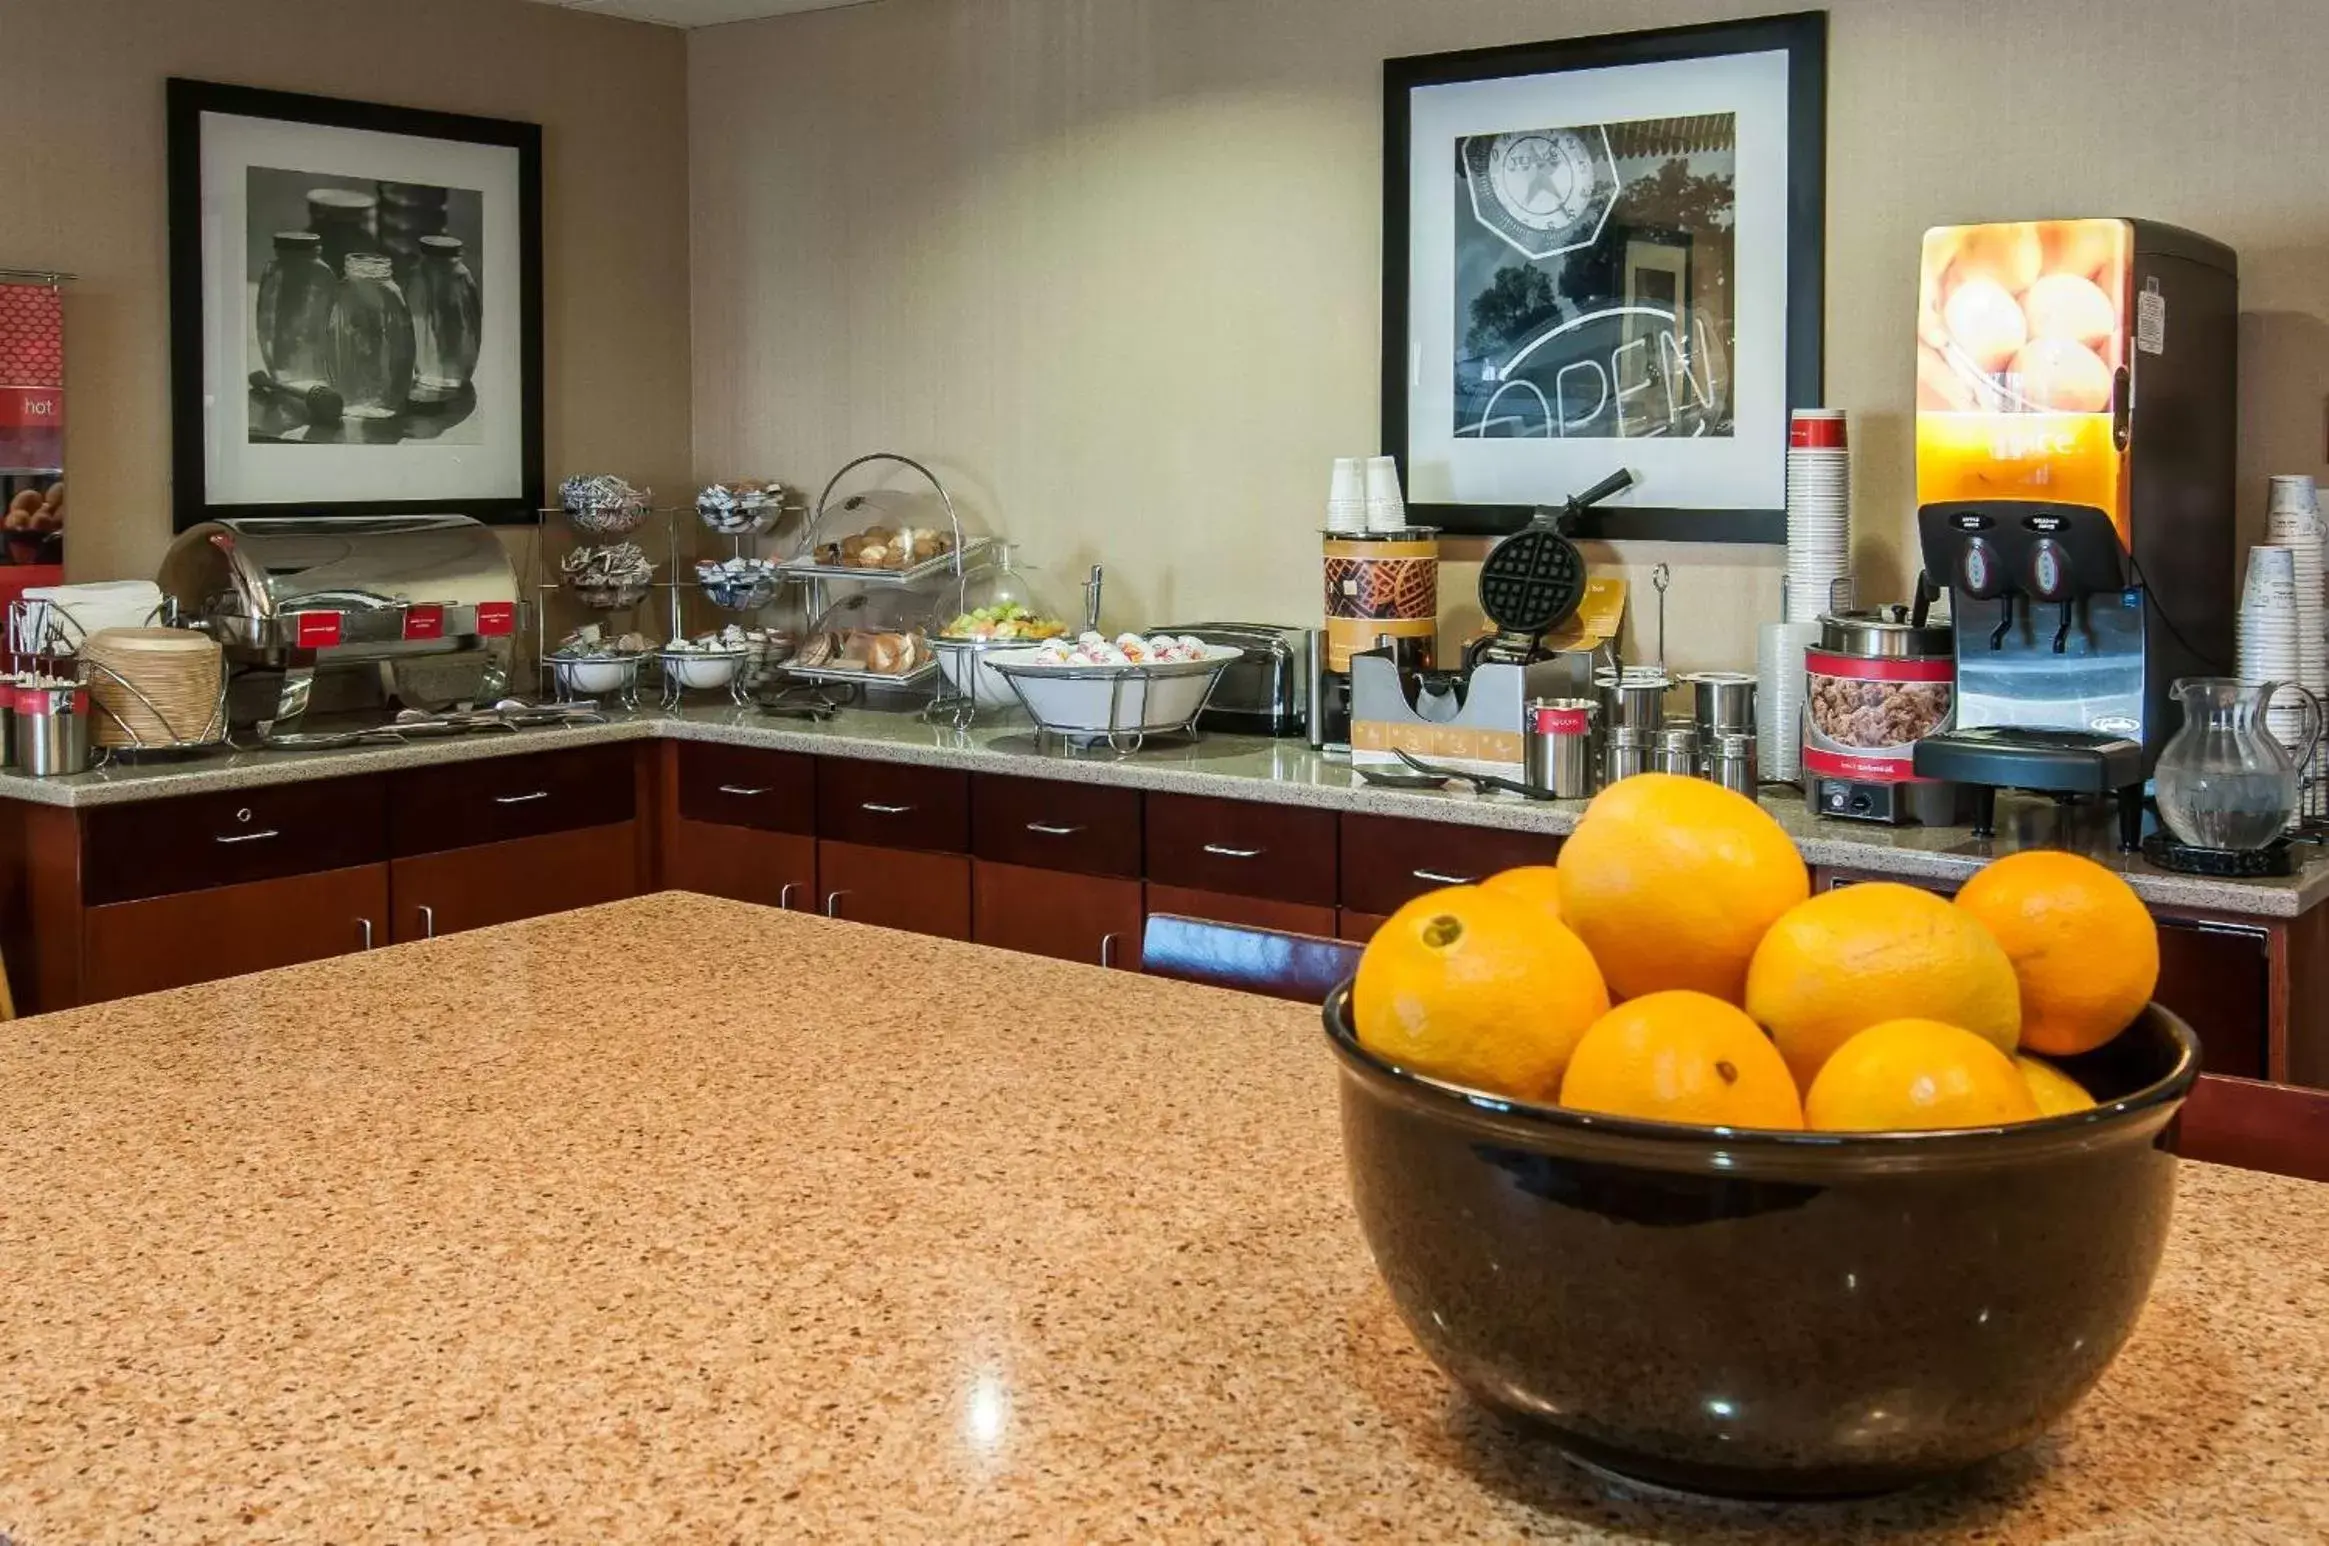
(1606, 252)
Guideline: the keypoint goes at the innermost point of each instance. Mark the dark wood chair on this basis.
(1301, 967)
(2281, 1128)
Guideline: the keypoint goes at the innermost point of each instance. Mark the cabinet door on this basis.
(2218, 977)
(526, 877)
(1252, 911)
(1090, 918)
(1358, 927)
(775, 869)
(1243, 848)
(898, 888)
(225, 931)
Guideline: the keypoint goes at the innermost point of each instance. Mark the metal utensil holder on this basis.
(213, 732)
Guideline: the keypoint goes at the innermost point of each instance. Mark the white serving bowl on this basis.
(593, 674)
(975, 659)
(701, 668)
(1091, 701)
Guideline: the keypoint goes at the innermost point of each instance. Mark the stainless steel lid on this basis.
(1884, 633)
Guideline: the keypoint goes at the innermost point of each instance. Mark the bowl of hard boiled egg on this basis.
(1092, 686)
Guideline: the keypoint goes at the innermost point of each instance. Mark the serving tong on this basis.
(1427, 776)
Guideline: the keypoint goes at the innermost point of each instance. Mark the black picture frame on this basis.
(1803, 37)
(186, 102)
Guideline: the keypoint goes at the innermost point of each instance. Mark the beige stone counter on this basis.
(681, 1220)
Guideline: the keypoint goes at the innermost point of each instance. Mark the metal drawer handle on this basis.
(1048, 830)
(833, 903)
(1233, 853)
(885, 810)
(428, 922)
(366, 925)
(740, 789)
(249, 837)
(784, 897)
(1439, 879)
(1107, 950)
(521, 799)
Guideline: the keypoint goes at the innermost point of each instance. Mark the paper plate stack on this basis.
(154, 686)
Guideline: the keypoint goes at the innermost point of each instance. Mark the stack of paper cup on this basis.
(1386, 506)
(2293, 520)
(1346, 496)
(1819, 513)
(1779, 651)
(2270, 650)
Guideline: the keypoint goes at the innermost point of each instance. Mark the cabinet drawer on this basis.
(526, 877)
(736, 786)
(161, 847)
(463, 804)
(1094, 919)
(897, 888)
(774, 869)
(1284, 852)
(893, 805)
(1049, 824)
(1388, 862)
(226, 931)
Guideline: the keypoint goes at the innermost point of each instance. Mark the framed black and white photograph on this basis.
(1599, 253)
(355, 308)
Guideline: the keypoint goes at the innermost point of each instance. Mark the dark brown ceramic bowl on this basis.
(1764, 1314)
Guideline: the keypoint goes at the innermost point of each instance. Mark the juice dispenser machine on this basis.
(2074, 430)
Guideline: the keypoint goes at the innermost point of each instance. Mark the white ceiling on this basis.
(698, 13)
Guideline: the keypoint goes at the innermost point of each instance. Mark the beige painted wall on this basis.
(81, 190)
(1114, 263)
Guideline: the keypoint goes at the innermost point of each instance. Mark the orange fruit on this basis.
(1852, 957)
(2083, 945)
(1670, 881)
(1916, 1075)
(1680, 1056)
(1539, 885)
(2053, 1090)
(1478, 989)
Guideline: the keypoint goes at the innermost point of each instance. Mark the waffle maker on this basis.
(1533, 581)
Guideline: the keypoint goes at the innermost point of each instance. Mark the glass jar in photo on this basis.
(347, 219)
(372, 340)
(295, 311)
(445, 321)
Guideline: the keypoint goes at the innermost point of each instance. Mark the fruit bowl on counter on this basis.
(1120, 691)
(1738, 1190)
(969, 645)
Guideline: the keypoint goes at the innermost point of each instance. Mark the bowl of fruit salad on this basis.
(968, 646)
(1734, 1188)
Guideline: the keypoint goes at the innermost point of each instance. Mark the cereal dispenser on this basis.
(2074, 432)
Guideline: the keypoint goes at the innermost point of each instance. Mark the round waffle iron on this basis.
(1534, 579)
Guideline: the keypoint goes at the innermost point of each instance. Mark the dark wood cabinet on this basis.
(1095, 919)
(526, 877)
(775, 869)
(1257, 912)
(1388, 862)
(495, 799)
(226, 931)
(1055, 825)
(1282, 852)
(196, 842)
(897, 888)
(1356, 926)
(2218, 977)
(744, 787)
(893, 805)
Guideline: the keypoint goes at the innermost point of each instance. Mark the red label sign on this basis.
(1554, 721)
(317, 630)
(1880, 668)
(424, 622)
(25, 407)
(1816, 429)
(495, 618)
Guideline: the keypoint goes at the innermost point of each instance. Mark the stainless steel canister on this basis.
(1564, 746)
(1730, 762)
(1634, 698)
(1630, 751)
(1678, 750)
(52, 730)
(1723, 703)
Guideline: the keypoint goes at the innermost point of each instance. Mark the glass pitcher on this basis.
(2225, 781)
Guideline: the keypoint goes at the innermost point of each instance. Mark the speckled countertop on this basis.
(647, 1223)
(1231, 766)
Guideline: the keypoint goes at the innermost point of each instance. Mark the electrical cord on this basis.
(2151, 600)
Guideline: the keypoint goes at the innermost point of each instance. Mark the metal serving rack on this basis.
(1120, 737)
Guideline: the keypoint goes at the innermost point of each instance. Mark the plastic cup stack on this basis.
(1386, 505)
(1346, 496)
(2293, 520)
(1819, 512)
(1779, 651)
(2269, 647)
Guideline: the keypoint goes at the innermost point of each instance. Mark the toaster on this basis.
(1266, 690)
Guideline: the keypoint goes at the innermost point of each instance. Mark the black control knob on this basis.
(2049, 578)
(1980, 573)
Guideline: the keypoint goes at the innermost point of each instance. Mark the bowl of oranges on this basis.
(1747, 1191)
